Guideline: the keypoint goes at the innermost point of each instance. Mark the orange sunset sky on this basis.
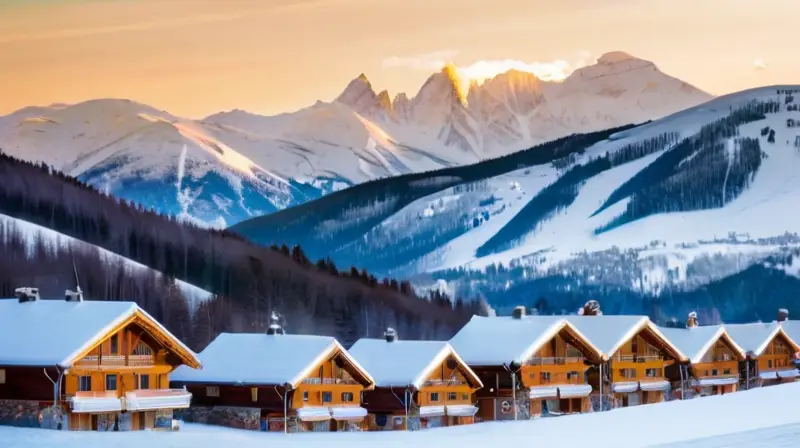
(197, 57)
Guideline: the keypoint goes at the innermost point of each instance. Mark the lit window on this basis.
(2, 376)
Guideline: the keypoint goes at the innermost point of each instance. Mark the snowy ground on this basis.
(758, 418)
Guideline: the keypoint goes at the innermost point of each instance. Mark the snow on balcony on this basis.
(649, 386)
(543, 392)
(314, 414)
(431, 411)
(721, 381)
(348, 412)
(461, 410)
(144, 400)
(791, 373)
(625, 388)
(96, 402)
(574, 391)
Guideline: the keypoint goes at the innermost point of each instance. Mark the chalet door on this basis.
(633, 399)
(94, 422)
(141, 421)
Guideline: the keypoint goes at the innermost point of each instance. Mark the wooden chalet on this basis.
(87, 365)
(539, 363)
(418, 384)
(769, 351)
(276, 382)
(712, 367)
(635, 353)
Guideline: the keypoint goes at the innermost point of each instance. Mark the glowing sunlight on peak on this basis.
(481, 71)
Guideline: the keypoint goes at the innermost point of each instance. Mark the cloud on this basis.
(423, 62)
(759, 64)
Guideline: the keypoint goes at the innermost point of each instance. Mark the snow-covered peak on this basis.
(361, 97)
(613, 57)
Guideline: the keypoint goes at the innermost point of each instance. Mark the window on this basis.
(714, 372)
(627, 373)
(573, 376)
(573, 352)
(769, 363)
(84, 383)
(305, 395)
(726, 372)
(111, 382)
(652, 373)
(347, 397)
(114, 344)
(544, 377)
(327, 397)
(212, 391)
(144, 381)
(434, 396)
(451, 396)
(2, 376)
(464, 396)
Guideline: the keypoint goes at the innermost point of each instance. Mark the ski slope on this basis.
(758, 418)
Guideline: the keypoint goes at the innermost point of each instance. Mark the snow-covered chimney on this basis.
(519, 312)
(74, 296)
(783, 314)
(27, 294)
(590, 308)
(691, 321)
(275, 326)
(390, 334)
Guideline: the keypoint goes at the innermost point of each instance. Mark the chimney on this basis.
(27, 294)
(783, 314)
(74, 296)
(390, 335)
(275, 326)
(691, 321)
(518, 313)
(591, 308)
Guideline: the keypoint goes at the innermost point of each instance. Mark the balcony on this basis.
(145, 400)
(327, 381)
(555, 361)
(637, 359)
(90, 402)
(116, 361)
(451, 382)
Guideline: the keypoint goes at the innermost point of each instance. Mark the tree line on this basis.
(248, 281)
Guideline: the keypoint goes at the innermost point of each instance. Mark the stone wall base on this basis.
(230, 416)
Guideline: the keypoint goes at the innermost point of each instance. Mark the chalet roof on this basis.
(755, 337)
(404, 363)
(697, 341)
(262, 359)
(496, 341)
(610, 332)
(58, 333)
(792, 330)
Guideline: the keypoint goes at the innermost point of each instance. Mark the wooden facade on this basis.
(118, 380)
(637, 370)
(327, 398)
(775, 364)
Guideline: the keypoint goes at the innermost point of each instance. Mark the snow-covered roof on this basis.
(404, 363)
(57, 332)
(697, 341)
(262, 359)
(792, 330)
(495, 341)
(755, 337)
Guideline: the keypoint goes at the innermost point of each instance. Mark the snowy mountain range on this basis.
(236, 165)
(670, 207)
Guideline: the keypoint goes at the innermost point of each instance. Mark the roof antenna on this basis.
(75, 296)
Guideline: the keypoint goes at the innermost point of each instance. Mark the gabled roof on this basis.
(696, 342)
(496, 341)
(262, 359)
(792, 330)
(59, 333)
(755, 337)
(405, 363)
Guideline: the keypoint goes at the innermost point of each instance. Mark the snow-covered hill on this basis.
(757, 418)
(33, 234)
(235, 165)
(681, 202)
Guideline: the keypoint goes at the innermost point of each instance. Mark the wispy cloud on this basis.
(424, 61)
(759, 64)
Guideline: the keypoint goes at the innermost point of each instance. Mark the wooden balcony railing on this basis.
(116, 361)
(554, 361)
(637, 358)
(330, 381)
(452, 382)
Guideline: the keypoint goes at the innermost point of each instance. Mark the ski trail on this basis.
(730, 153)
(182, 197)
